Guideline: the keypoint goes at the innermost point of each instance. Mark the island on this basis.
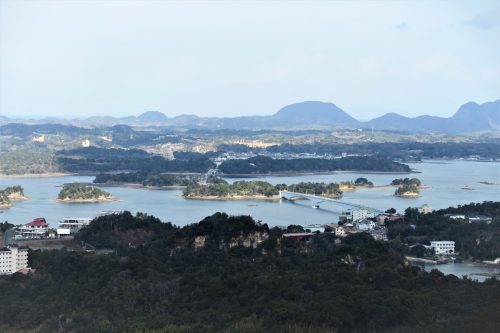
(407, 187)
(9, 194)
(407, 191)
(80, 192)
(220, 189)
(363, 182)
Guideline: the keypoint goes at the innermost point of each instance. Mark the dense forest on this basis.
(79, 191)
(263, 165)
(231, 274)
(472, 240)
(406, 151)
(101, 160)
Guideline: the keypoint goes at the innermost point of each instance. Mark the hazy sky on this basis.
(82, 58)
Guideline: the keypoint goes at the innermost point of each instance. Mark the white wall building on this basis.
(443, 247)
(357, 214)
(425, 209)
(13, 259)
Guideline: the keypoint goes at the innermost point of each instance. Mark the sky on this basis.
(75, 59)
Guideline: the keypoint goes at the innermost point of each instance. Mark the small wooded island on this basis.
(80, 192)
(9, 194)
(407, 187)
(220, 189)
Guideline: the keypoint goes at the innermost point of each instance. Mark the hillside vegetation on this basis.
(232, 274)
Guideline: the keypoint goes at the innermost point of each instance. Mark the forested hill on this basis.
(97, 160)
(231, 274)
(263, 165)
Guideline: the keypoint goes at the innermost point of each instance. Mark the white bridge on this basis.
(317, 199)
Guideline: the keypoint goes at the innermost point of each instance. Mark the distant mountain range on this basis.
(470, 117)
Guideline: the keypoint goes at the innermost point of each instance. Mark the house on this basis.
(340, 231)
(35, 229)
(13, 259)
(443, 247)
(424, 209)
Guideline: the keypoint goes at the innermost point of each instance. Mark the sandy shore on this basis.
(98, 200)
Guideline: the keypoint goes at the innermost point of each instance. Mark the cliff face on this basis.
(251, 240)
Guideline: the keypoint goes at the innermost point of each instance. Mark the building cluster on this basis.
(363, 220)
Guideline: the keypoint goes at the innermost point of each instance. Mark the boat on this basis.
(315, 206)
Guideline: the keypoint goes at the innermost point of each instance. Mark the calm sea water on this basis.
(445, 181)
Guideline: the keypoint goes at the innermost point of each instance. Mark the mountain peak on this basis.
(153, 116)
(315, 112)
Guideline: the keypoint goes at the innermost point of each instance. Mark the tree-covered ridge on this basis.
(146, 179)
(282, 285)
(247, 189)
(105, 160)
(472, 240)
(263, 165)
(80, 191)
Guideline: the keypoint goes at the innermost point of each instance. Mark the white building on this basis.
(12, 259)
(425, 209)
(340, 231)
(86, 143)
(71, 225)
(314, 228)
(443, 247)
(357, 214)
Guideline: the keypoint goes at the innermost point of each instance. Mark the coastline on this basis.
(140, 186)
(97, 200)
(309, 173)
(38, 175)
